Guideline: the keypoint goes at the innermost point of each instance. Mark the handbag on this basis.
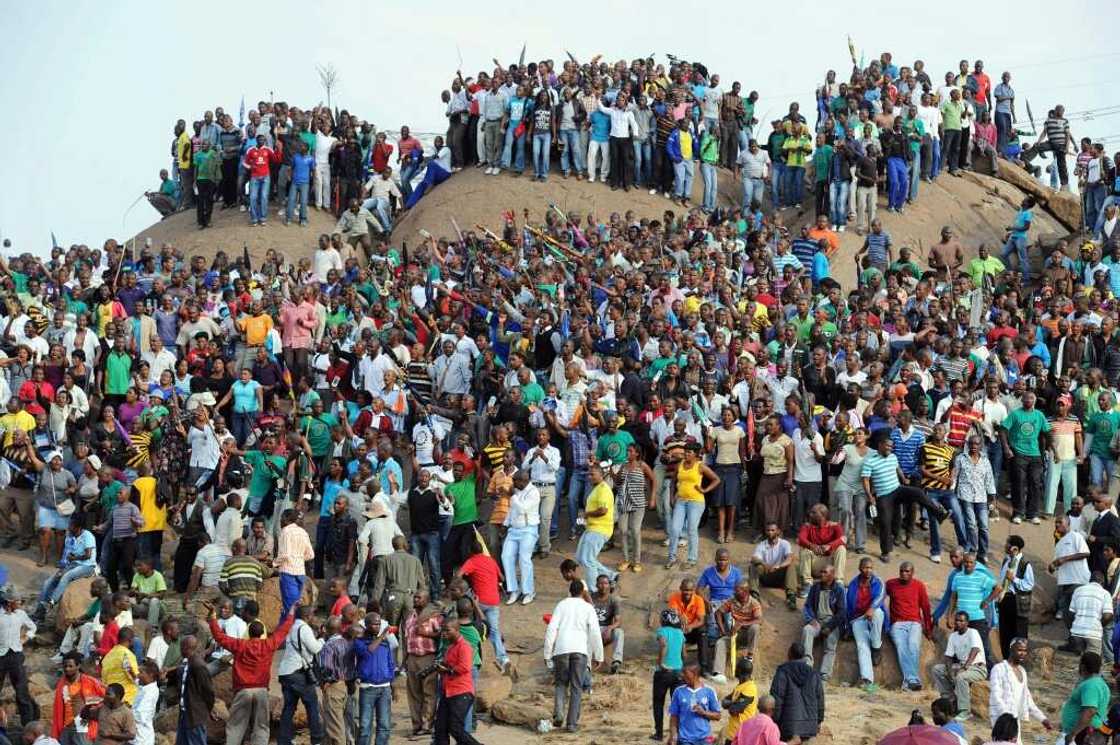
(313, 670)
(66, 507)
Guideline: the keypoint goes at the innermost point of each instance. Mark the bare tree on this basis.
(328, 77)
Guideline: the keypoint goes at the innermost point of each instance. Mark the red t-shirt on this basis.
(459, 658)
(343, 601)
(379, 156)
(258, 160)
(482, 573)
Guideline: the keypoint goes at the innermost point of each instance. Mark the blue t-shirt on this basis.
(244, 396)
(691, 727)
(720, 588)
(972, 589)
(331, 488)
(1022, 224)
(302, 166)
(600, 126)
(72, 547)
(674, 646)
(382, 470)
(516, 108)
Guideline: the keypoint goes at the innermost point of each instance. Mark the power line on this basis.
(1062, 61)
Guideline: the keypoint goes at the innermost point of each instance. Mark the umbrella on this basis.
(923, 734)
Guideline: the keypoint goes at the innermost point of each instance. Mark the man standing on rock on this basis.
(194, 693)
(13, 622)
(572, 643)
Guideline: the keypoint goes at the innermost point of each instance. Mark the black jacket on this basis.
(199, 694)
(799, 699)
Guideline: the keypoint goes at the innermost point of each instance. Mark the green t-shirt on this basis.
(803, 326)
(532, 394)
(149, 585)
(1023, 428)
(263, 476)
(978, 267)
(612, 446)
(910, 267)
(822, 162)
(470, 633)
(118, 373)
(19, 279)
(318, 432)
(1102, 426)
(951, 114)
(1091, 692)
(463, 501)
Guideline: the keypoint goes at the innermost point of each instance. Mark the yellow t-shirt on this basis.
(746, 689)
(688, 483)
(601, 496)
(11, 422)
(183, 146)
(686, 145)
(256, 329)
(155, 517)
(113, 670)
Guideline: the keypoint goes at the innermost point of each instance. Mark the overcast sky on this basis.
(91, 91)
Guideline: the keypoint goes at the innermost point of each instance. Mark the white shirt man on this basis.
(1009, 693)
(1070, 574)
(573, 629)
(323, 260)
(1091, 606)
(159, 358)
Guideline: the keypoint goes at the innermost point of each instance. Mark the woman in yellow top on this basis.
(688, 506)
(774, 488)
(154, 514)
(599, 514)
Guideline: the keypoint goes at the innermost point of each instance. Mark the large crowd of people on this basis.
(421, 429)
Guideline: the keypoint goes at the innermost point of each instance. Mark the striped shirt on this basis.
(954, 367)
(1057, 131)
(242, 576)
(883, 473)
(961, 422)
(906, 449)
(878, 245)
(938, 460)
(780, 262)
(971, 590)
(125, 519)
(804, 249)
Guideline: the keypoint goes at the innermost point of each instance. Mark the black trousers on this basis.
(456, 139)
(185, 553)
(963, 161)
(699, 637)
(821, 193)
(204, 205)
(451, 713)
(1011, 624)
(663, 175)
(728, 143)
(893, 506)
(456, 548)
(348, 188)
(664, 683)
(229, 181)
(622, 162)
(1026, 485)
(11, 668)
(122, 556)
(470, 150)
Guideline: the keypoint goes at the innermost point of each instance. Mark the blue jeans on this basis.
(949, 501)
(258, 199)
(1017, 244)
(682, 188)
(708, 172)
(1003, 131)
(1101, 470)
(295, 689)
(425, 547)
(571, 157)
(976, 527)
(578, 489)
(299, 190)
(494, 629)
(185, 735)
(898, 182)
(587, 554)
(1094, 204)
(56, 585)
(375, 702)
(542, 145)
(1065, 473)
(753, 189)
(995, 458)
(868, 635)
(517, 552)
(643, 162)
(380, 205)
(795, 185)
(915, 176)
(838, 192)
(777, 183)
(686, 514)
(408, 171)
(907, 638)
(935, 158)
(508, 154)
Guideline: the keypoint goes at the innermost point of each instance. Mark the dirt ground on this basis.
(618, 709)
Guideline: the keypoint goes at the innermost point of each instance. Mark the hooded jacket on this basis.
(798, 699)
(836, 601)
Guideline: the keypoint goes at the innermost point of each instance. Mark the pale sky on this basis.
(91, 91)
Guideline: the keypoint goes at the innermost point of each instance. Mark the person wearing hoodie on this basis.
(825, 614)
(376, 671)
(798, 693)
(866, 620)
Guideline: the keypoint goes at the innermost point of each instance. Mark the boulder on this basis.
(75, 601)
(269, 599)
(216, 731)
(1065, 207)
(980, 693)
(166, 722)
(491, 689)
(223, 685)
(1041, 660)
(519, 713)
(888, 674)
(276, 706)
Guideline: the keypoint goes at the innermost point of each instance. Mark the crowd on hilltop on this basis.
(421, 428)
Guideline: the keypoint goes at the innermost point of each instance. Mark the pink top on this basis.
(759, 730)
(986, 132)
(297, 322)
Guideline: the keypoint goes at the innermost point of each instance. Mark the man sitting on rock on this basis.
(964, 665)
(825, 614)
(738, 619)
(693, 612)
(822, 544)
(772, 564)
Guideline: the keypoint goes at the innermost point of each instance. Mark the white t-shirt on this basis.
(845, 378)
(323, 144)
(1073, 572)
(443, 158)
(233, 626)
(1088, 604)
(203, 443)
(157, 649)
(712, 97)
(325, 260)
(960, 646)
(806, 467)
(930, 116)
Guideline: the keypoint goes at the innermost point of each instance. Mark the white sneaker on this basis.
(668, 195)
(652, 191)
(1036, 521)
(241, 208)
(843, 228)
(682, 542)
(512, 599)
(1016, 520)
(527, 599)
(718, 678)
(935, 559)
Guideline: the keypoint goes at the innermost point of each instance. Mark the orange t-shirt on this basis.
(690, 614)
